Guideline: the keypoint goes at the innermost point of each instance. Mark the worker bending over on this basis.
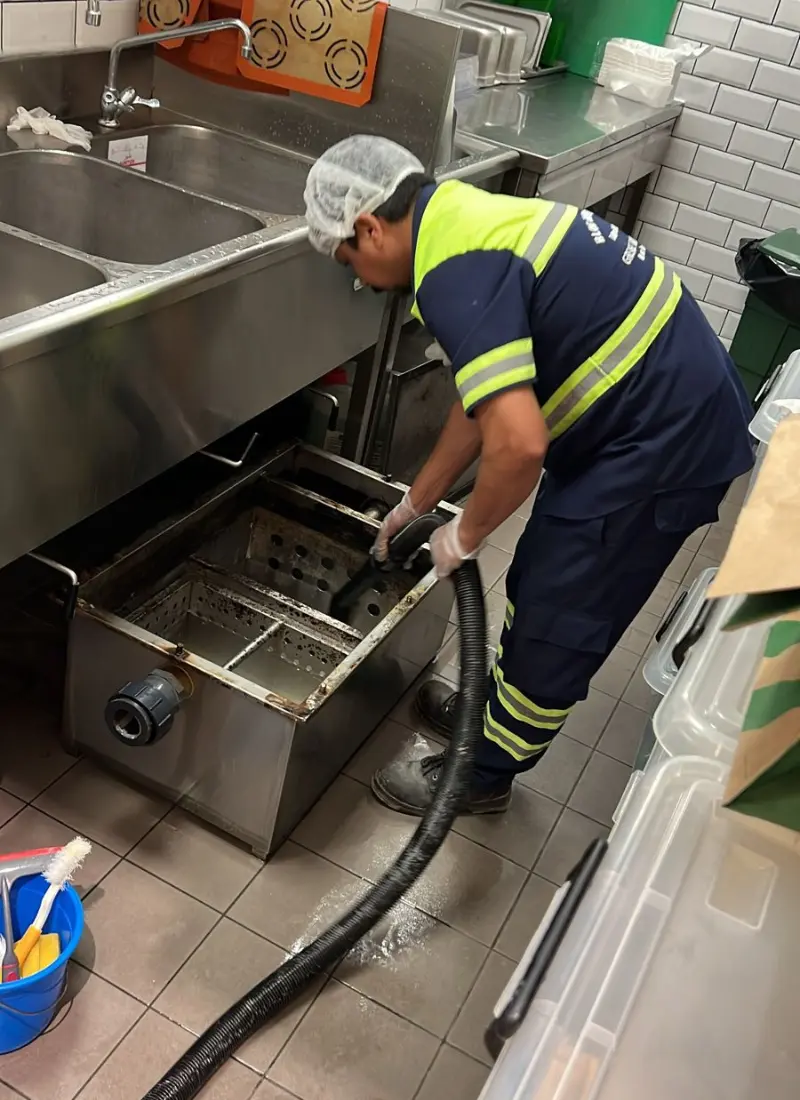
(573, 349)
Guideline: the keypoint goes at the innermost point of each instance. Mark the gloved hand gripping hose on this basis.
(272, 995)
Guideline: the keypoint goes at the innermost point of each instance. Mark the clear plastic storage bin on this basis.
(677, 976)
(674, 634)
(784, 384)
(703, 711)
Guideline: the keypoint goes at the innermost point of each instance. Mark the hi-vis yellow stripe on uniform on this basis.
(620, 353)
(455, 223)
(523, 709)
(498, 369)
(510, 742)
(529, 228)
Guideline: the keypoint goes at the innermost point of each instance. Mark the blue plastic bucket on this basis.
(29, 1005)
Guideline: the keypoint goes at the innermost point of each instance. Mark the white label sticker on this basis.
(131, 152)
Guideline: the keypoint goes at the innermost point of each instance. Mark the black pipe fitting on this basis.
(142, 712)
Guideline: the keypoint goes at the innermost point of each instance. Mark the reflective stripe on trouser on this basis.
(519, 725)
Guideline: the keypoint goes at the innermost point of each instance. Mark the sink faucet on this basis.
(94, 13)
(114, 103)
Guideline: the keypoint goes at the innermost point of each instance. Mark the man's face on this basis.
(380, 255)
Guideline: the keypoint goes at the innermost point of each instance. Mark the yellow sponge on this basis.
(43, 953)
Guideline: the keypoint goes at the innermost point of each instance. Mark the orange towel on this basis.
(326, 48)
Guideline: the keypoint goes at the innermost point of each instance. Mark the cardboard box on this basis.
(763, 566)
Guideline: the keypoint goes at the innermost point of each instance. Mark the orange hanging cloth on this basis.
(326, 48)
(164, 15)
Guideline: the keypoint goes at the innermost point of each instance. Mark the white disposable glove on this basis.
(446, 549)
(399, 517)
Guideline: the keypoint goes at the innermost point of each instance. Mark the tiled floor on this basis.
(180, 922)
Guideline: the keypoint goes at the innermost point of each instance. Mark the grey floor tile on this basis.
(505, 537)
(662, 597)
(493, 563)
(568, 841)
(140, 931)
(694, 540)
(676, 570)
(348, 1047)
(738, 491)
(615, 674)
(557, 772)
(221, 971)
(467, 1032)
(520, 833)
(416, 966)
(296, 896)
(102, 807)
(623, 734)
(196, 858)
(715, 544)
(31, 829)
(729, 512)
(500, 585)
(267, 1091)
(147, 1052)
(453, 1076)
(600, 788)
(31, 763)
(9, 807)
(589, 718)
(350, 828)
(525, 917)
(467, 886)
(639, 694)
(640, 633)
(83, 1035)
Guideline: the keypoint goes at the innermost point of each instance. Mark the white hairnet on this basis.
(352, 178)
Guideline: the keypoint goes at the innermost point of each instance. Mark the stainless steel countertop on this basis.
(553, 122)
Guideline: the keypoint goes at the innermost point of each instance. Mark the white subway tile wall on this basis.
(733, 167)
(48, 26)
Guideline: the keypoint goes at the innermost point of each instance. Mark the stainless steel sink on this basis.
(32, 275)
(107, 211)
(219, 164)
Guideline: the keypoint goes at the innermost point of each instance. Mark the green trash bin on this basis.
(769, 330)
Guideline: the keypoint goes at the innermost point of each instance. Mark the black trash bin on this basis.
(771, 268)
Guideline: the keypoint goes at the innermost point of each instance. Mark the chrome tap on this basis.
(94, 13)
(114, 103)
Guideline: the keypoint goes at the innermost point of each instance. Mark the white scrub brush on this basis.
(58, 872)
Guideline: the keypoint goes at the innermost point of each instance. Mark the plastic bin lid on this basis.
(660, 669)
(783, 246)
(785, 384)
(703, 711)
(678, 976)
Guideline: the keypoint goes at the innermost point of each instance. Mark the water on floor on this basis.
(181, 921)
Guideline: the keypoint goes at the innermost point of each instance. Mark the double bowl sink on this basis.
(78, 220)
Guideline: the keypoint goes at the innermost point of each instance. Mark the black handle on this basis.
(504, 1026)
(669, 618)
(680, 651)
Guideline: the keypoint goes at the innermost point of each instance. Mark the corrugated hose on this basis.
(274, 993)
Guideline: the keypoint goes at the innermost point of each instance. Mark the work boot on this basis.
(436, 706)
(409, 787)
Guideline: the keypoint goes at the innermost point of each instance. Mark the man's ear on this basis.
(369, 229)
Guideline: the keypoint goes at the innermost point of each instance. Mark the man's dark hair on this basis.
(398, 205)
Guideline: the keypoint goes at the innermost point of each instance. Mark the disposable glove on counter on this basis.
(399, 517)
(446, 549)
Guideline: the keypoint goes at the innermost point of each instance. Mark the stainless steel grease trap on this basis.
(222, 612)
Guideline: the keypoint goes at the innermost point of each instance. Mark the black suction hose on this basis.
(272, 995)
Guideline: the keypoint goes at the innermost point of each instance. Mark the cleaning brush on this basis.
(59, 871)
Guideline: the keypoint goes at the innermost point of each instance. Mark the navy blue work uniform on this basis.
(647, 422)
